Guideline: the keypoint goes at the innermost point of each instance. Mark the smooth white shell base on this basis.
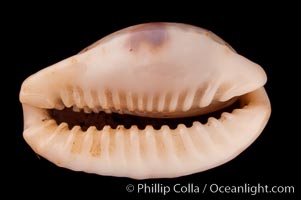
(148, 153)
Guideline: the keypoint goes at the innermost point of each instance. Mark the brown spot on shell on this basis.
(95, 149)
(77, 143)
(74, 61)
(151, 35)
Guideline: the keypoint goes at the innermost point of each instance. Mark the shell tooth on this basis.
(208, 94)
(70, 138)
(78, 97)
(87, 110)
(226, 116)
(149, 149)
(204, 141)
(149, 128)
(61, 127)
(96, 109)
(134, 127)
(56, 130)
(120, 153)
(174, 102)
(188, 100)
(135, 157)
(95, 148)
(149, 105)
(89, 99)
(60, 134)
(116, 100)
(180, 149)
(59, 106)
(169, 146)
(78, 140)
(105, 147)
(218, 132)
(140, 102)
(57, 134)
(161, 102)
(188, 143)
(212, 122)
(165, 128)
(108, 111)
(102, 98)
(107, 128)
(181, 127)
(66, 97)
(75, 108)
(129, 101)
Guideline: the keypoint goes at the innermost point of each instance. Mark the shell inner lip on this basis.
(114, 120)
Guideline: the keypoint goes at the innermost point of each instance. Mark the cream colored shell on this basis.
(154, 70)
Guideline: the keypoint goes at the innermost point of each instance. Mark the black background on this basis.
(42, 38)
